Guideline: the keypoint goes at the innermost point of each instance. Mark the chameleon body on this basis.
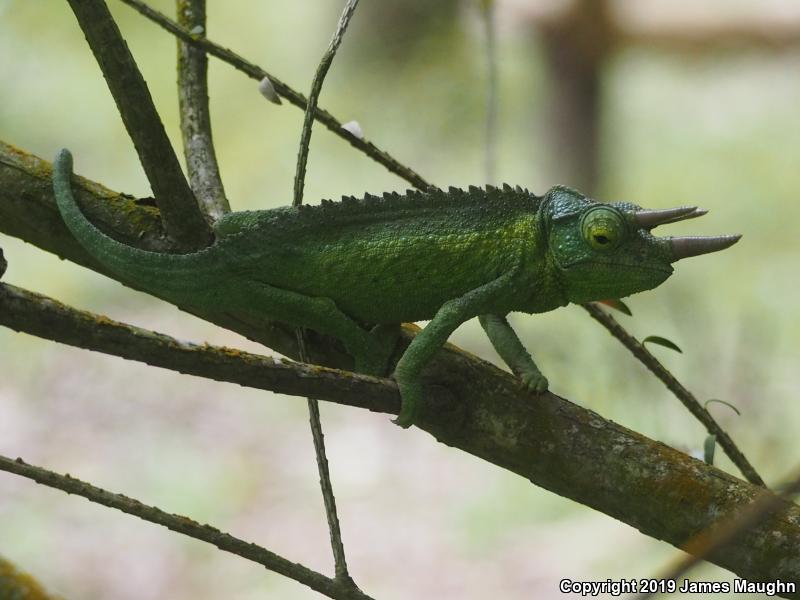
(358, 268)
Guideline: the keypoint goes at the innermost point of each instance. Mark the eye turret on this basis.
(602, 227)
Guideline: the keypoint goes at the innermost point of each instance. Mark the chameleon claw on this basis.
(410, 397)
(405, 419)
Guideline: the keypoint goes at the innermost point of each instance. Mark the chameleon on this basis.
(358, 268)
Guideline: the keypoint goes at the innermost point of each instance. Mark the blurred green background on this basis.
(712, 124)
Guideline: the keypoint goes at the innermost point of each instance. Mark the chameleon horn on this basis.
(684, 247)
(652, 218)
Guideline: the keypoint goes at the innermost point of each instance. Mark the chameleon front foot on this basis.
(533, 381)
(410, 398)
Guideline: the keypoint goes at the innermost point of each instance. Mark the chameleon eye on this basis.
(602, 228)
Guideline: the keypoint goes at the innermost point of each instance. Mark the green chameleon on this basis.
(358, 268)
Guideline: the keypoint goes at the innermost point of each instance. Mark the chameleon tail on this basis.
(163, 274)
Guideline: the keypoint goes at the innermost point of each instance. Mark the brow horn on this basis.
(648, 219)
(684, 247)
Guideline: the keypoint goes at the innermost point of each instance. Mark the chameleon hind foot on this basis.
(381, 342)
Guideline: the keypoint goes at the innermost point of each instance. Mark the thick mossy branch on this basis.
(182, 216)
(28, 211)
(470, 404)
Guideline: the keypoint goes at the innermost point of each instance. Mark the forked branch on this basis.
(182, 217)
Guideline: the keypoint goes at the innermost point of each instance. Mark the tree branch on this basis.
(728, 529)
(45, 317)
(181, 214)
(300, 573)
(294, 97)
(198, 144)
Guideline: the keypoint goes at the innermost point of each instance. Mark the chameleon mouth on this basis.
(620, 266)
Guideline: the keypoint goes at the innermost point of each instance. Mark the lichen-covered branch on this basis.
(179, 209)
(293, 96)
(474, 406)
(198, 144)
(727, 530)
(224, 541)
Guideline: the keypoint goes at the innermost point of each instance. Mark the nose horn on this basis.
(648, 219)
(684, 247)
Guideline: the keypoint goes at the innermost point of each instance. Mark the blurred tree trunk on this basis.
(576, 47)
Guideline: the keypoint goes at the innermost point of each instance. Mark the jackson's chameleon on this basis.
(358, 268)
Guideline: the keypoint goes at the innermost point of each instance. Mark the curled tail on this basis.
(167, 275)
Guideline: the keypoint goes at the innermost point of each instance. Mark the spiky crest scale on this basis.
(377, 208)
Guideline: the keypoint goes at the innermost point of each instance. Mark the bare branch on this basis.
(284, 90)
(685, 396)
(45, 317)
(181, 214)
(198, 144)
(205, 533)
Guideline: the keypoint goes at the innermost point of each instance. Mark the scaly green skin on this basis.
(358, 268)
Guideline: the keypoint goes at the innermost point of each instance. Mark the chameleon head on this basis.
(604, 251)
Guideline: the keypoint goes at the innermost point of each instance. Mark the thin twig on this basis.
(292, 96)
(488, 13)
(198, 143)
(685, 396)
(328, 497)
(39, 315)
(182, 217)
(728, 530)
(205, 533)
(313, 99)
